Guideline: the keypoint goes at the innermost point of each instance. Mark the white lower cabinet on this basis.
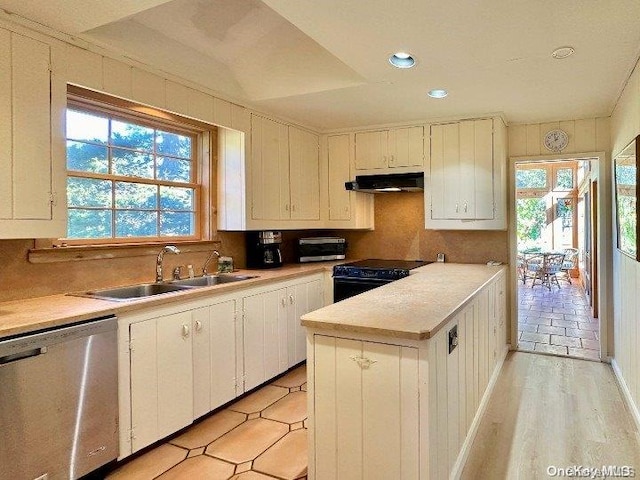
(301, 298)
(264, 334)
(161, 378)
(214, 356)
(367, 412)
(180, 361)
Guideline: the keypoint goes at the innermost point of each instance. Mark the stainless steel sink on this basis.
(134, 291)
(210, 280)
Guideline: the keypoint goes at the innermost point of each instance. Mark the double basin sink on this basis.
(144, 290)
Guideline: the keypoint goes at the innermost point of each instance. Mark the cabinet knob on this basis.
(198, 326)
(185, 331)
(363, 362)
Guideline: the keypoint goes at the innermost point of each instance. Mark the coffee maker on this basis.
(263, 249)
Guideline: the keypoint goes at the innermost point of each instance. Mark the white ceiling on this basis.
(324, 62)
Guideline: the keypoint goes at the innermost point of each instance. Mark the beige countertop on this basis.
(415, 307)
(27, 315)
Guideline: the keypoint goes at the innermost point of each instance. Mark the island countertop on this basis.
(415, 307)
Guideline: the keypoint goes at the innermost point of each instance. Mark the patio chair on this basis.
(551, 266)
(532, 265)
(570, 262)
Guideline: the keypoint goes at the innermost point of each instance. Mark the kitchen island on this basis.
(398, 377)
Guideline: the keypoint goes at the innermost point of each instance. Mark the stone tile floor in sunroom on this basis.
(262, 436)
(557, 321)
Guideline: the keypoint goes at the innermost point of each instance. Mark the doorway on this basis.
(556, 219)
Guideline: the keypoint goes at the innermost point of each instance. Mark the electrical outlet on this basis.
(440, 257)
(453, 338)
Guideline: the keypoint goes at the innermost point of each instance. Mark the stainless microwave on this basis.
(318, 249)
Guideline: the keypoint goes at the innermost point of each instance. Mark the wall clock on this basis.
(556, 140)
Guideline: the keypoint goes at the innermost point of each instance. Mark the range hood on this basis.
(393, 182)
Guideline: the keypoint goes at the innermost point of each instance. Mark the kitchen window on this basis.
(131, 178)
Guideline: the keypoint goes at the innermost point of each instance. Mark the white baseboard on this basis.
(456, 472)
(626, 393)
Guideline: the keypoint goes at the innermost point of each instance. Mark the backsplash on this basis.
(399, 234)
(21, 279)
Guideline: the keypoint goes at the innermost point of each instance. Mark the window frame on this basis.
(202, 135)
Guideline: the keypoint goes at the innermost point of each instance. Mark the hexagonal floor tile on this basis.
(247, 441)
(290, 409)
(295, 378)
(151, 464)
(210, 429)
(200, 467)
(287, 458)
(251, 476)
(259, 400)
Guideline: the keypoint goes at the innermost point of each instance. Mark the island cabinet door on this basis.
(366, 408)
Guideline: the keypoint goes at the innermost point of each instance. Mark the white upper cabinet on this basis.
(371, 150)
(346, 209)
(406, 147)
(465, 184)
(269, 170)
(304, 169)
(32, 102)
(399, 149)
(276, 186)
(339, 174)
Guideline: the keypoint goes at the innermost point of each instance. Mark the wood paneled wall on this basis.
(625, 125)
(587, 135)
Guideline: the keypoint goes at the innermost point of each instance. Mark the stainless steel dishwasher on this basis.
(59, 401)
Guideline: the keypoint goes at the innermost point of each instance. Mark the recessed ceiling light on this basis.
(437, 93)
(563, 52)
(402, 60)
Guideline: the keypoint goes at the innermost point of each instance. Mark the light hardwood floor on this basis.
(552, 411)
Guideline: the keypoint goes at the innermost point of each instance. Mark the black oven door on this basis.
(345, 287)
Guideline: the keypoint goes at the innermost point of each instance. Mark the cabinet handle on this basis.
(384, 159)
(291, 300)
(198, 326)
(293, 207)
(457, 208)
(363, 362)
(286, 207)
(465, 207)
(283, 301)
(390, 159)
(185, 331)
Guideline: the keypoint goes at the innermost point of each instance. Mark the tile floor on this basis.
(262, 436)
(557, 321)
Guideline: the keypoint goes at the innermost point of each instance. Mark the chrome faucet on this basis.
(166, 248)
(213, 253)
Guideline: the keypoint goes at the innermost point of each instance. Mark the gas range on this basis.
(353, 278)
